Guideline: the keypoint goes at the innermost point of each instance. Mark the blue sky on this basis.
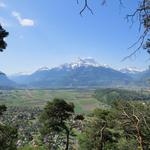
(51, 32)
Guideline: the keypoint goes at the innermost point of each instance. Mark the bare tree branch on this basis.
(141, 40)
(86, 6)
(142, 14)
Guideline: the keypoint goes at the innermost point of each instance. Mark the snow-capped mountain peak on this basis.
(82, 62)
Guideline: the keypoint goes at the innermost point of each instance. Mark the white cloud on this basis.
(23, 21)
(2, 5)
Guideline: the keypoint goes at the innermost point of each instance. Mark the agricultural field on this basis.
(83, 100)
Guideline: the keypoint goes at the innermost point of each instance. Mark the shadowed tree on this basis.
(3, 34)
(55, 120)
(3, 108)
(8, 134)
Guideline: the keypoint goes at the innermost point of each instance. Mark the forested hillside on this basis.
(110, 94)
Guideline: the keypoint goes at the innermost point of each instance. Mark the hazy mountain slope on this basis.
(5, 82)
(144, 78)
(133, 72)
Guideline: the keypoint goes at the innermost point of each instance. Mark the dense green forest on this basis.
(110, 94)
(121, 121)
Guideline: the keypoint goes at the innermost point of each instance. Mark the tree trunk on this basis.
(67, 140)
(101, 137)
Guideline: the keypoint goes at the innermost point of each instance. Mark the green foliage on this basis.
(28, 147)
(56, 113)
(110, 95)
(135, 118)
(123, 127)
(8, 138)
(102, 131)
(55, 119)
(3, 108)
(8, 134)
(25, 119)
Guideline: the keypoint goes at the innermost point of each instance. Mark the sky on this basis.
(52, 32)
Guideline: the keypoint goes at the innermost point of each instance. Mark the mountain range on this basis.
(81, 73)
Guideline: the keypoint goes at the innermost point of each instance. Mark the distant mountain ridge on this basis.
(5, 82)
(82, 73)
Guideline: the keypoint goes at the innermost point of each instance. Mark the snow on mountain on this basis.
(43, 69)
(85, 62)
(131, 70)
